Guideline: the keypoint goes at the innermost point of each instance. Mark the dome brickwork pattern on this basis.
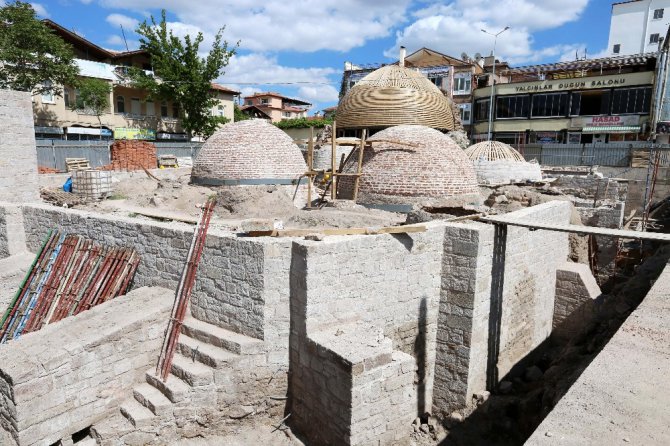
(394, 95)
(499, 163)
(248, 150)
(433, 167)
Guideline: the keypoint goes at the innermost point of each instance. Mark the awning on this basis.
(613, 129)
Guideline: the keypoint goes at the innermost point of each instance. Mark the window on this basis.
(465, 113)
(48, 96)
(592, 102)
(658, 14)
(462, 83)
(67, 98)
(151, 109)
(120, 104)
(221, 110)
(552, 104)
(286, 114)
(482, 110)
(438, 81)
(175, 110)
(164, 110)
(631, 100)
(616, 49)
(248, 102)
(135, 106)
(512, 107)
(264, 101)
(653, 38)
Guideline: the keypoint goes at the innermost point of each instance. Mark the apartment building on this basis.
(638, 26)
(275, 106)
(132, 115)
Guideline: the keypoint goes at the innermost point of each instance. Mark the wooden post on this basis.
(333, 148)
(310, 167)
(360, 166)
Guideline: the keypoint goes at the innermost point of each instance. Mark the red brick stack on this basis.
(133, 155)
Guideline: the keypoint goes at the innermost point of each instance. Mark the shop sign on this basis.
(584, 83)
(172, 136)
(88, 131)
(605, 121)
(546, 137)
(49, 130)
(134, 133)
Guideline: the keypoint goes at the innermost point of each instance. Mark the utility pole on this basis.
(493, 77)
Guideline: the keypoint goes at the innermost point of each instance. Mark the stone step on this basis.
(207, 354)
(153, 399)
(138, 415)
(220, 337)
(108, 431)
(88, 441)
(194, 373)
(174, 389)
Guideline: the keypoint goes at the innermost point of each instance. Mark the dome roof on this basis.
(412, 164)
(493, 151)
(394, 95)
(248, 150)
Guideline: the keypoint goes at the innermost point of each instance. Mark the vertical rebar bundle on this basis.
(183, 294)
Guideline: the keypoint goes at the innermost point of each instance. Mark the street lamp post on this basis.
(493, 77)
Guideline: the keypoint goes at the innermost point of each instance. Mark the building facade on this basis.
(131, 115)
(638, 26)
(276, 106)
(586, 101)
(454, 77)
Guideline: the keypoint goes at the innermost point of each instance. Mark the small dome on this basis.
(412, 164)
(493, 151)
(394, 95)
(248, 150)
(499, 163)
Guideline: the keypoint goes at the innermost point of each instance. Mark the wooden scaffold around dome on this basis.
(493, 151)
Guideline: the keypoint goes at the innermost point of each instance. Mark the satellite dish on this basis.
(478, 56)
(464, 56)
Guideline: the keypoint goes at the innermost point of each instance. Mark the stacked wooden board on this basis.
(69, 275)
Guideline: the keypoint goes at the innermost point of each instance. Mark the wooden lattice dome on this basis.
(493, 151)
(395, 95)
(411, 164)
(248, 152)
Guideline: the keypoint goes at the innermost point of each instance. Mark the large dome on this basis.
(248, 152)
(412, 164)
(499, 163)
(394, 95)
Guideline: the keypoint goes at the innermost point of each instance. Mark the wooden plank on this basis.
(359, 169)
(333, 161)
(338, 231)
(310, 166)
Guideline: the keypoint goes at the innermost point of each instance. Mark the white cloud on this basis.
(40, 10)
(276, 25)
(456, 28)
(128, 23)
(318, 93)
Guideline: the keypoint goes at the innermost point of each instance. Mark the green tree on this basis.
(93, 97)
(181, 75)
(238, 114)
(32, 57)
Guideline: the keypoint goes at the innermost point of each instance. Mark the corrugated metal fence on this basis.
(611, 154)
(52, 153)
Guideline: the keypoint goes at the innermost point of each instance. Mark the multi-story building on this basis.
(638, 26)
(131, 115)
(583, 101)
(275, 106)
(455, 77)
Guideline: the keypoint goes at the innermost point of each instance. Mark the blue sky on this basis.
(298, 47)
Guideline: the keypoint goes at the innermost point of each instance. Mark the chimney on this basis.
(403, 53)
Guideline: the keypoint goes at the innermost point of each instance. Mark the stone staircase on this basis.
(202, 379)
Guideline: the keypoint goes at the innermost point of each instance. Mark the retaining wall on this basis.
(505, 172)
(18, 166)
(75, 372)
(576, 294)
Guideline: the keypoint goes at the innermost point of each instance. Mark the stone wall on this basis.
(505, 172)
(12, 234)
(531, 261)
(462, 335)
(18, 166)
(65, 377)
(576, 294)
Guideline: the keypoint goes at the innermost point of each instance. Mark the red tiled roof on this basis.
(220, 87)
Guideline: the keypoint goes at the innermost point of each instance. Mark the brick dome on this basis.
(394, 95)
(248, 152)
(493, 151)
(431, 169)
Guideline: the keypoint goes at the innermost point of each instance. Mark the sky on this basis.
(298, 47)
